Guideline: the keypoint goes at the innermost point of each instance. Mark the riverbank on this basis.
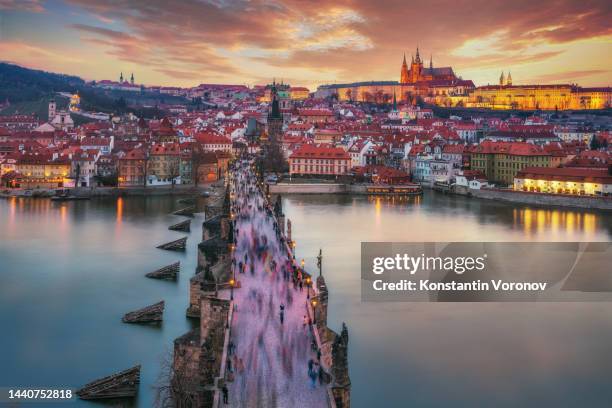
(542, 199)
(178, 190)
(324, 188)
(509, 196)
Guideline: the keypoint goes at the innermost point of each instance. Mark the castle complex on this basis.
(440, 86)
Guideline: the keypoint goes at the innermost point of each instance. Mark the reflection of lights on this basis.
(119, 210)
(314, 302)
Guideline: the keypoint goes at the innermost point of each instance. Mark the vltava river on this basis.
(457, 354)
(69, 271)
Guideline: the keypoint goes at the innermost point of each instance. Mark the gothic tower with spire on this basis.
(416, 67)
(404, 76)
(502, 79)
(509, 79)
(275, 119)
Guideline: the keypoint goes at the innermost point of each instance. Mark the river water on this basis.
(69, 271)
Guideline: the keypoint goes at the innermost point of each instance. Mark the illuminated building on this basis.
(440, 86)
(40, 172)
(535, 97)
(299, 93)
(416, 80)
(75, 103)
(564, 180)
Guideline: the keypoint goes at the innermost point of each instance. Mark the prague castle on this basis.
(415, 81)
(440, 86)
(536, 97)
(417, 73)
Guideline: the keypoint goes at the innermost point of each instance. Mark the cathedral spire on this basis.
(404, 72)
(431, 62)
(121, 78)
(394, 102)
(418, 57)
(502, 80)
(509, 79)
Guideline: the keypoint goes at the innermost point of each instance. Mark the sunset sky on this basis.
(309, 42)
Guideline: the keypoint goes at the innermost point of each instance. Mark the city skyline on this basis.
(188, 43)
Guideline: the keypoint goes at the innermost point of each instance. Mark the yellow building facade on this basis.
(501, 161)
(39, 174)
(539, 97)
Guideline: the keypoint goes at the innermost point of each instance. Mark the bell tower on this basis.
(52, 109)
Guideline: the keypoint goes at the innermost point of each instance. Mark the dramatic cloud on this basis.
(342, 40)
(34, 6)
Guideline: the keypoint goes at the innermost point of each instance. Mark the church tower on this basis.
(132, 79)
(52, 109)
(509, 79)
(502, 80)
(404, 78)
(416, 68)
(275, 119)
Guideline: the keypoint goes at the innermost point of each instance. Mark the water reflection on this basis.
(69, 272)
(461, 355)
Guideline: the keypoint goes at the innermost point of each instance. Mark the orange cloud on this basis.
(345, 40)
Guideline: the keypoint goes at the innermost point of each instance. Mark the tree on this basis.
(175, 385)
(174, 169)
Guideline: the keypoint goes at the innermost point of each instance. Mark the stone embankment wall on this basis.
(317, 188)
(548, 200)
(200, 355)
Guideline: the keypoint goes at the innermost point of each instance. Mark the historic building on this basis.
(501, 161)
(538, 97)
(131, 168)
(416, 81)
(419, 73)
(274, 121)
(319, 160)
(564, 180)
(441, 86)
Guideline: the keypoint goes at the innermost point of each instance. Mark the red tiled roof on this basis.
(319, 151)
(511, 148)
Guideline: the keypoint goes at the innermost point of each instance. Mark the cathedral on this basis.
(418, 81)
(418, 73)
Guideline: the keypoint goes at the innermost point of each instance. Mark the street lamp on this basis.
(314, 313)
(232, 282)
